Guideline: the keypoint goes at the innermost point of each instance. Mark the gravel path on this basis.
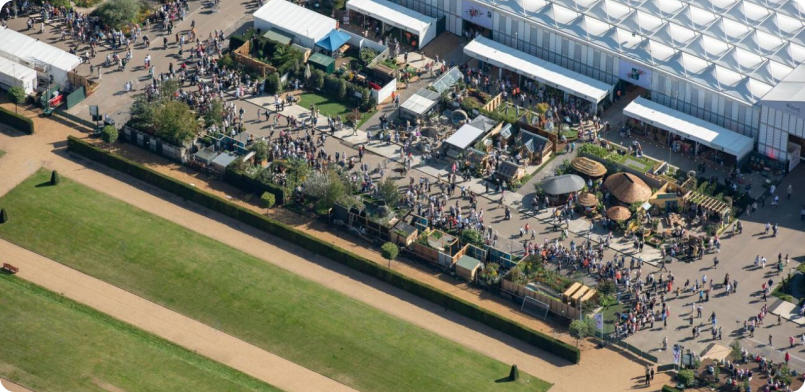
(25, 154)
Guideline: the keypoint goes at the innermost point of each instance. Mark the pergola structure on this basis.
(708, 203)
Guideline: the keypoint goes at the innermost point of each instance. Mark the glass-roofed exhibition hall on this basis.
(733, 64)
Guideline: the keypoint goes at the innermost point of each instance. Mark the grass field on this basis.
(283, 313)
(52, 344)
(329, 107)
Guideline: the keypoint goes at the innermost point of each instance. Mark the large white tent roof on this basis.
(693, 128)
(500, 55)
(295, 19)
(17, 71)
(759, 40)
(14, 46)
(401, 17)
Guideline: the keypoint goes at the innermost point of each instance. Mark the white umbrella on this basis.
(307, 71)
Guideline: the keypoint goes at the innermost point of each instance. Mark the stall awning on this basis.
(333, 41)
(465, 136)
(502, 56)
(397, 16)
(690, 127)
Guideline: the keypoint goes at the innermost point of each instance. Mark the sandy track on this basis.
(602, 369)
(10, 386)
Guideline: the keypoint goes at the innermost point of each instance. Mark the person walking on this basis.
(790, 191)
(770, 340)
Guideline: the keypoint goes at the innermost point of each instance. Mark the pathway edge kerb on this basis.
(420, 289)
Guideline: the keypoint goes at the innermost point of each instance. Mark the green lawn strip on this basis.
(331, 107)
(53, 344)
(246, 297)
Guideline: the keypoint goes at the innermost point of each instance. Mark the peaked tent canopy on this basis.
(333, 40)
(562, 185)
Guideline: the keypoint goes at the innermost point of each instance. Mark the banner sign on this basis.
(635, 74)
(477, 14)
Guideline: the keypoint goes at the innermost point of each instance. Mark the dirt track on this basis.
(602, 369)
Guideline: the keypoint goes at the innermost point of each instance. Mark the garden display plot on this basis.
(297, 319)
(53, 344)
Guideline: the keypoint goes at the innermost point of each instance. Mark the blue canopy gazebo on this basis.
(333, 41)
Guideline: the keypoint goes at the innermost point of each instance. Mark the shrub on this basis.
(473, 237)
(118, 13)
(109, 134)
(318, 246)
(54, 178)
(3, 215)
(16, 95)
(686, 377)
(268, 200)
(16, 121)
(273, 84)
(316, 79)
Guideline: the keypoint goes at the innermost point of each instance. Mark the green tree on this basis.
(273, 84)
(175, 123)
(260, 149)
(168, 89)
(54, 178)
(390, 192)
(473, 237)
(389, 251)
(118, 13)
(214, 115)
(109, 134)
(341, 89)
(316, 79)
(143, 114)
(3, 215)
(579, 329)
(298, 170)
(17, 96)
(686, 377)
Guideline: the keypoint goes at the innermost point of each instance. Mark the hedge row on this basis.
(17, 121)
(248, 184)
(313, 244)
(668, 388)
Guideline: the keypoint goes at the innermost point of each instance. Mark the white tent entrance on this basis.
(717, 141)
(415, 30)
(539, 70)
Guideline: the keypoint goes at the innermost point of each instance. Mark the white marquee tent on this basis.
(16, 75)
(400, 17)
(306, 26)
(690, 127)
(46, 59)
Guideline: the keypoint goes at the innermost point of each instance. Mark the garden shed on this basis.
(462, 139)
(206, 155)
(510, 171)
(322, 62)
(305, 26)
(278, 36)
(535, 148)
(222, 161)
(403, 233)
(627, 188)
(467, 267)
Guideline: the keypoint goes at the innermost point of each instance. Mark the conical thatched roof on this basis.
(627, 188)
(588, 199)
(561, 185)
(588, 167)
(618, 213)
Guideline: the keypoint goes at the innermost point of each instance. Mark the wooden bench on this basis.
(10, 268)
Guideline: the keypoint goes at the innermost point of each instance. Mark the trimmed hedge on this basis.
(268, 200)
(17, 121)
(313, 244)
(668, 388)
(248, 184)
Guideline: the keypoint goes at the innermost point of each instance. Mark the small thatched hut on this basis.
(588, 167)
(627, 188)
(618, 213)
(587, 199)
